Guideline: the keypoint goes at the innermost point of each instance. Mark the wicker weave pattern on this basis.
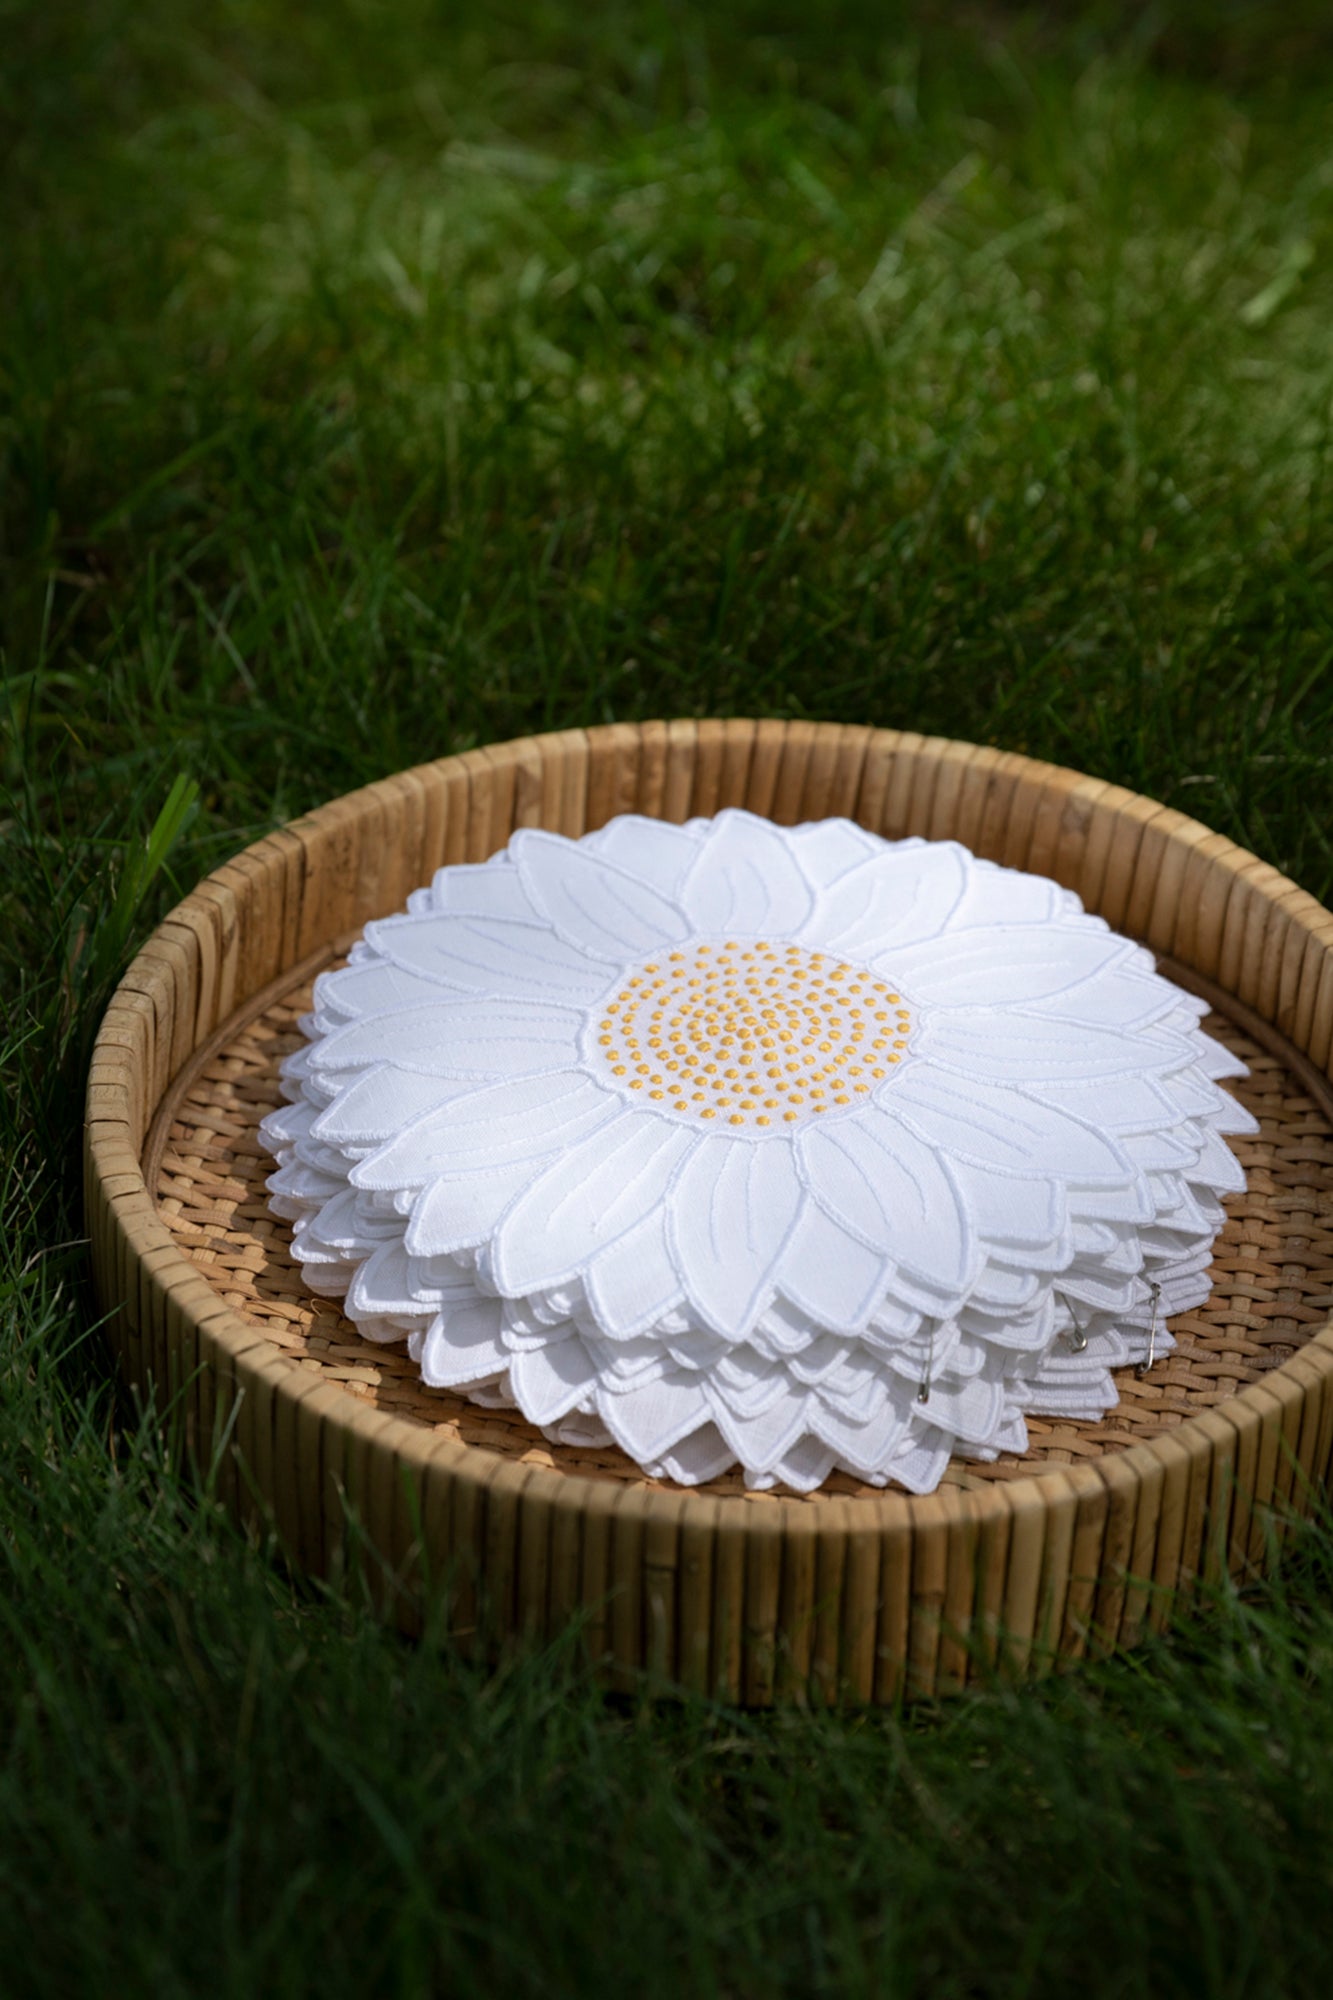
(1272, 1280)
(1103, 1531)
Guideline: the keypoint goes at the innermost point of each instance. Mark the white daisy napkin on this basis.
(733, 1143)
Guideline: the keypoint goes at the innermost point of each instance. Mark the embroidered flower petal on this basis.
(919, 1462)
(758, 1442)
(750, 1384)
(548, 1382)
(650, 1421)
(889, 903)
(493, 1127)
(804, 1467)
(728, 1219)
(746, 880)
(592, 1194)
(994, 896)
(699, 1456)
(634, 1283)
(1128, 995)
(483, 889)
(1015, 1211)
(295, 1188)
(379, 1102)
(829, 848)
(652, 849)
(1136, 1104)
(355, 990)
(972, 1411)
(830, 1274)
(865, 1448)
(490, 956)
(342, 1222)
(458, 1211)
(1218, 1167)
(997, 1127)
(463, 1346)
(1013, 1047)
(889, 1189)
(286, 1124)
(1022, 965)
(383, 1283)
(481, 1040)
(1216, 1062)
(600, 909)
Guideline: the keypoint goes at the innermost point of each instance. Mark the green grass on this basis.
(376, 380)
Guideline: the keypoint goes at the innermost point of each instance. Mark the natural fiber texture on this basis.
(1273, 1268)
(843, 1597)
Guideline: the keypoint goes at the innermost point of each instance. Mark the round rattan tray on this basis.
(1097, 1532)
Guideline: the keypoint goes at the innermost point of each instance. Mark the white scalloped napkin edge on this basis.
(729, 1143)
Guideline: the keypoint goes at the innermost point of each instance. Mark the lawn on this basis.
(383, 378)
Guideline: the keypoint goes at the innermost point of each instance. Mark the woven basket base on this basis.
(1272, 1272)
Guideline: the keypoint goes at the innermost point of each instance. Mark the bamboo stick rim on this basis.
(1222, 916)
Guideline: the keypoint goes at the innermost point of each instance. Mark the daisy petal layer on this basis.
(734, 1144)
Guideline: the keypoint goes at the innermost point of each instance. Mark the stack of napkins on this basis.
(739, 1144)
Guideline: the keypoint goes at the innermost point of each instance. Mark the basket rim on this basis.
(115, 1160)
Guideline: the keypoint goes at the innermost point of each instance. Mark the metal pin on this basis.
(1076, 1339)
(1144, 1366)
(923, 1391)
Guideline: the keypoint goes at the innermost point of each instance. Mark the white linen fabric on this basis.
(732, 1143)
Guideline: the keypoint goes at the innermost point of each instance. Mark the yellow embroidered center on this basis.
(747, 1036)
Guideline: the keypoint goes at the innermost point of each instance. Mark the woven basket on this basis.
(1097, 1533)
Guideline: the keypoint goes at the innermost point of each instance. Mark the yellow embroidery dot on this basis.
(750, 1028)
